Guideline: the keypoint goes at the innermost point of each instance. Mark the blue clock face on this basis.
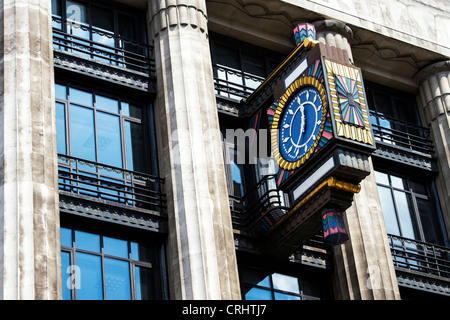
(301, 123)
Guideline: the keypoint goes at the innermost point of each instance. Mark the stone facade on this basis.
(29, 207)
(400, 44)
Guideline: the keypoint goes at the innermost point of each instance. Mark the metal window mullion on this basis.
(97, 169)
(272, 292)
(102, 255)
(73, 261)
(132, 273)
(391, 190)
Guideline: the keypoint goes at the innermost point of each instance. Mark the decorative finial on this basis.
(303, 31)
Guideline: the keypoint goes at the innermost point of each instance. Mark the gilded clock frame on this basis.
(290, 92)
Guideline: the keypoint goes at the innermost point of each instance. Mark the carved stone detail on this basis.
(165, 14)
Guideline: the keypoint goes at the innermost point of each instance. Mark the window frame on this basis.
(302, 276)
(394, 95)
(148, 129)
(116, 8)
(431, 197)
(158, 289)
(234, 90)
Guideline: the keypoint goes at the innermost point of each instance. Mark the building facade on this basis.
(139, 160)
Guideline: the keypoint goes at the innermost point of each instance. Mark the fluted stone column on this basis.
(363, 265)
(30, 266)
(201, 253)
(434, 102)
(335, 33)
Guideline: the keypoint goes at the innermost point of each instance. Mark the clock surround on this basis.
(298, 122)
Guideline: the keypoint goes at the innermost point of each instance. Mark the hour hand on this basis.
(302, 110)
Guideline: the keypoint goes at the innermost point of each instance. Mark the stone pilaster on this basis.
(363, 265)
(30, 266)
(201, 253)
(434, 102)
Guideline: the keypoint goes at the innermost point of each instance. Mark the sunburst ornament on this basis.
(348, 102)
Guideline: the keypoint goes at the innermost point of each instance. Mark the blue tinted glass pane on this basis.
(56, 8)
(285, 283)
(398, 183)
(143, 283)
(117, 279)
(135, 147)
(109, 143)
(406, 216)
(141, 252)
(115, 247)
(81, 97)
(106, 47)
(82, 132)
(61, 127)
(382, 178)
(90, 277)
(387, 206)
(265, 282)
(76, 11)
(60, 91)
(131, 110)
(67, 280)
(107, 104)
(66, 237)
(87, 241)
(258, 294)
(134, 251)
(283, 296)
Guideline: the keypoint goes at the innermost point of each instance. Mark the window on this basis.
(239, 68)
(99, 267)
(101, 128)
(409, 207)
(277, 286)
(101, 32)
(104, 148)
(395, 119)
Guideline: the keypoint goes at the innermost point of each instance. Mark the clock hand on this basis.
(302, 110)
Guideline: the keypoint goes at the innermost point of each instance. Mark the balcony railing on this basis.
(102, 46)
(426, 258)
(260, 207)
(401, 134)
(234, 84)
(111, 184)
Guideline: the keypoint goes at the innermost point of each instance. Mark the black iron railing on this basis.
(100, 181)
(261, 207)
(420, 256)
(401, 134)
(102, 46)
(234, 84)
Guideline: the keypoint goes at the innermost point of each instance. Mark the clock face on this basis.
(301, 124)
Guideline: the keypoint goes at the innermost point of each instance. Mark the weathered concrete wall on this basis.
(424, 23)
(30, 265)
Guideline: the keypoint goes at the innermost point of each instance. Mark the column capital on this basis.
(165, 14)
(432, 69)
(336, 34)
(334, 26)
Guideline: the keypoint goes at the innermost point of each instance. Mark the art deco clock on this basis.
(296, 131)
